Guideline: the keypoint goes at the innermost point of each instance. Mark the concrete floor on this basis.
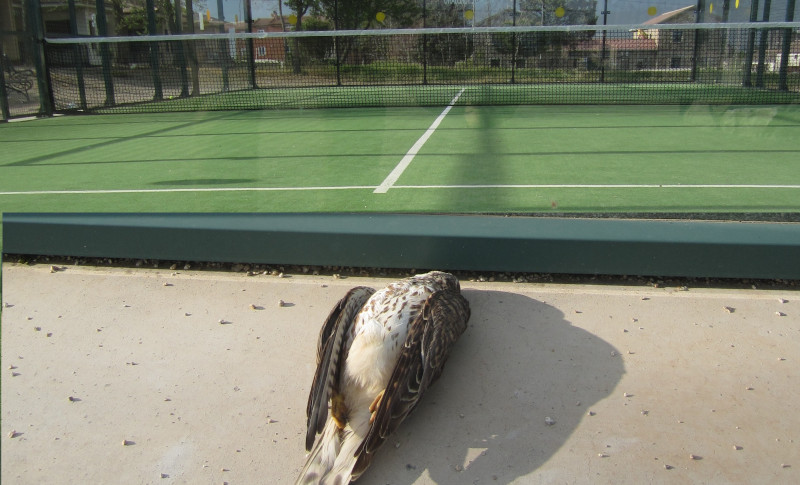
(127, 376)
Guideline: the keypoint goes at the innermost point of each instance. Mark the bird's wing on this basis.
(442, 319)
(329, 348)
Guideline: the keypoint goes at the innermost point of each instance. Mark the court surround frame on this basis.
(666, 248)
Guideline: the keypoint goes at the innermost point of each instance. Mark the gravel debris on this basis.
(394, 273)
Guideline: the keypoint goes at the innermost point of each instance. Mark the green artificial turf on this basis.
(225, 160)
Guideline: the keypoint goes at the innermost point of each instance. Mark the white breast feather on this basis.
(381, 329)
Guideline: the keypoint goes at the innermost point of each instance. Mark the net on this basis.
(741, 63)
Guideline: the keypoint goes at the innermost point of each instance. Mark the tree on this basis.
(300, 8)
(558, 12)
(318, 48)
(361, 14)
(131, 16)
(546, 12)
(446, 49)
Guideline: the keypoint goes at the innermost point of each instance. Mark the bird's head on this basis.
(445, 280)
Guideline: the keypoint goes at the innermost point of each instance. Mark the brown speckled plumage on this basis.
(377, 354)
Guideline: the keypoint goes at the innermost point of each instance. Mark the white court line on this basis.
(371, 187)
(406, 161)
(601, 186)
(216, 189)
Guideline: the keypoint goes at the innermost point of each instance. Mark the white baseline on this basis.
(600, 186)
(199, 189)
(400, 187)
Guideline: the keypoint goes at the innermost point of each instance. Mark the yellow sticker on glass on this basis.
(469, 15)
(560, 12)
(292, 19)
(380, 16)
(652, 11)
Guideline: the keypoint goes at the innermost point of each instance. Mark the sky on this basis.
(621, 11)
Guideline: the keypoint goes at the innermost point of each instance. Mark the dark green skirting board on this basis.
(451, 242)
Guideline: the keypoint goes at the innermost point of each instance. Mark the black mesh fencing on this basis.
(511, 65)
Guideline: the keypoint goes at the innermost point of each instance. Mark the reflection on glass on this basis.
(545, 107)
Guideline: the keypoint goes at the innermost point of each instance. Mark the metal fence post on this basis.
(73, 27)
(252, 60)
(723, 48)
(192, 50)
(424, 43)
(105, 53)
(698, 18)
(3, 94)
(154, 54)
(514, 42)
(605, 13)
(762, 46)
(36, 30)
(783, 82)
(336, 42)
(223, 49)
(751, 42)
(181, 56)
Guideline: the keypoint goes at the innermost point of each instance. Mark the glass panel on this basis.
(19, 93)
(536, 107)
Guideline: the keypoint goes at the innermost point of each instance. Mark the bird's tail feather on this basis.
(342, 470)
(322, 456)
(333, 456)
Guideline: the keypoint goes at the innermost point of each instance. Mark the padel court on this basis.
(450, 158)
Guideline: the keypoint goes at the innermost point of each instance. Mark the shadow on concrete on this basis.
(519, 362)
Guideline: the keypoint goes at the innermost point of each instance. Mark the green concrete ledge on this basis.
(454, 242)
